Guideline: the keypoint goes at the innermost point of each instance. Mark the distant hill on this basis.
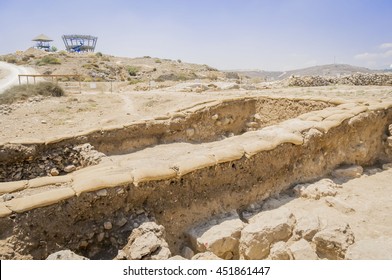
(321, 70)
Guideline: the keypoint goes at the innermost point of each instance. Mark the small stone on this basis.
(121, 222)
(215, 117)
(187, 252)
(102, 193)
(324, 187)
(43, 122)
(54, 172)
(107, 225)
(100, 236)
(70, 168)
(177, 258)
(83, 244)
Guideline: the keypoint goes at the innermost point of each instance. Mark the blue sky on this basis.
(227, 34)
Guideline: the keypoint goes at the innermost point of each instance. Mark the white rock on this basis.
(206, 256)
(371, 249)
(387, 166)
(322, 188)
(307, 227)
(144, 245)
(102, 192)
(54, 172)
(177, 258)
(302, 250)
(349, 172)
(279, 251)
(215, 117)
(333, 242)
(70, 168)
(222, 239)
(65, 255)
(265, 229)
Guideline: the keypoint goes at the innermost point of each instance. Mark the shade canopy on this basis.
(42, 38)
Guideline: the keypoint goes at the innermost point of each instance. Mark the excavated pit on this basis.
(148, 175)
(23, 160)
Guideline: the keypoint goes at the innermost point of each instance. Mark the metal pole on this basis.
(19, 79)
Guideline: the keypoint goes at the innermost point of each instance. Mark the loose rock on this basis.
(333, 242)
(324, 187)
(302, 250)
(265, 229)
(350, 172)
(65, 255)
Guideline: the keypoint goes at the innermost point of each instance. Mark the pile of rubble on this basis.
(55, 162)
(358, 79)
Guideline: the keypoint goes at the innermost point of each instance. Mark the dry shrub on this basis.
(23, 92)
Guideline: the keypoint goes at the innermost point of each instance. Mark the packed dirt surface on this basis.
(126, 173)
(9, 74)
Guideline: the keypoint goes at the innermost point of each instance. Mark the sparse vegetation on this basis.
(23, 92)
(99, 54)
(158, 60)
(49, 59)
(132, 70)
(11, 59)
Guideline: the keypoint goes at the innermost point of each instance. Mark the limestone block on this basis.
(279, 251)
(263, 230)
(222, 239)
(371, 249)
(205, 256)
(45, 198)
(146, 242)
(324, 187)
(302, 250)
(349, 172)
(307, 227)
(333, 241)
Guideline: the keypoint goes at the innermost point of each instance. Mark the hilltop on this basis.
(329, 70)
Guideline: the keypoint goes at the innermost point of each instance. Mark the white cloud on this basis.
(380, 59)
(386, 46)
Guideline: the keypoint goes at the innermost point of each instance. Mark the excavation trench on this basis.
(201, 123)
(96, 221)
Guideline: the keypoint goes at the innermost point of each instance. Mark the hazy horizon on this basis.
(233, 34)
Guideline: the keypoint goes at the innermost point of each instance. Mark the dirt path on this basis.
(9, 74)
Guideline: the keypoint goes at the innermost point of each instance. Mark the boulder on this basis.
(263, 230)
(322, 188)
(279, 251)
(146, 242)
(65, 255)
(371, 249)
(306, 227)
(222, 238)
(302, 250)
(333, 242)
